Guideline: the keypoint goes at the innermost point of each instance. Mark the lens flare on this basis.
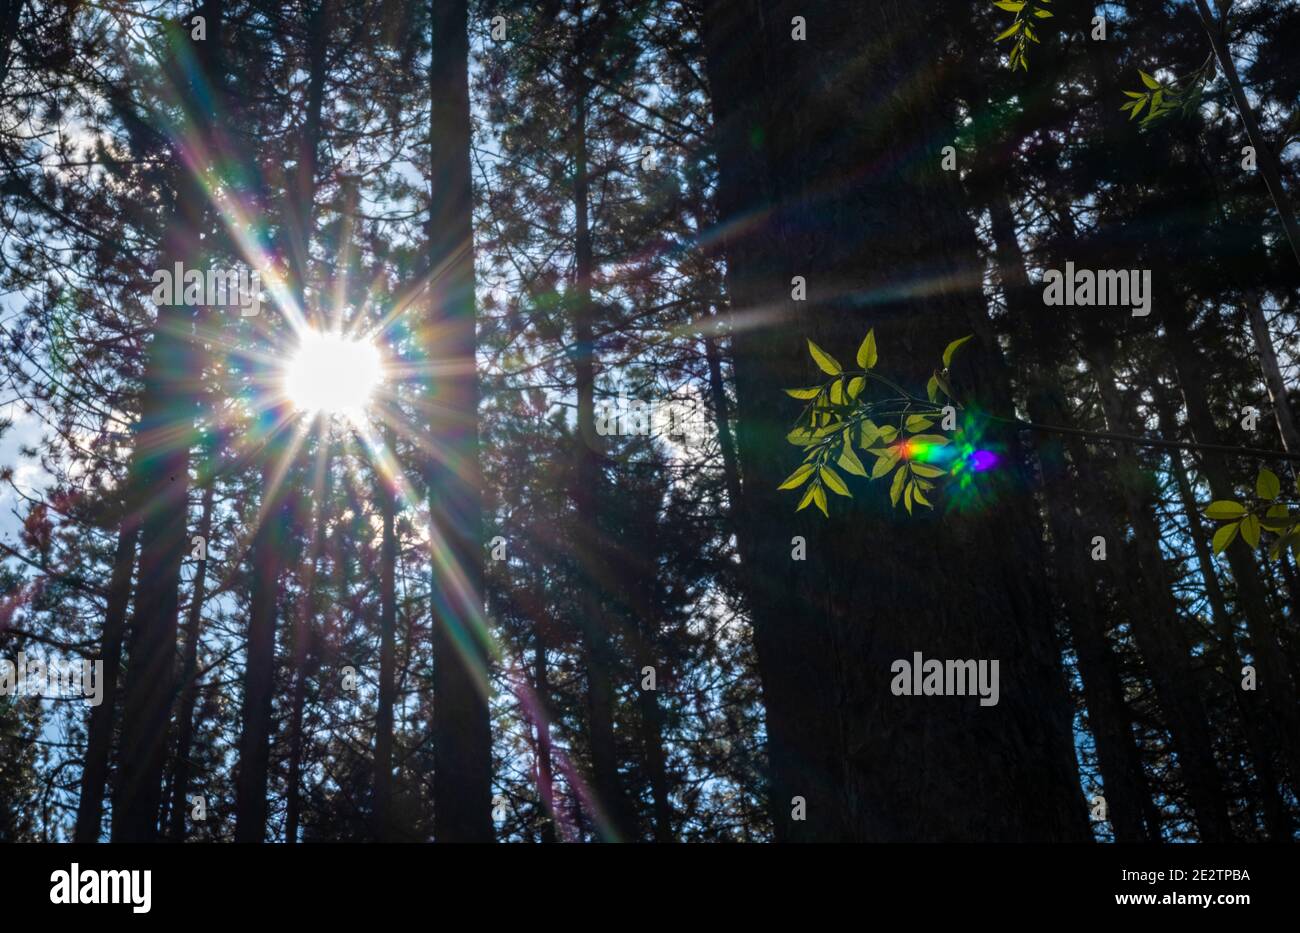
(332, 373)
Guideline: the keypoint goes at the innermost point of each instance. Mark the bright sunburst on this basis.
(332, 373)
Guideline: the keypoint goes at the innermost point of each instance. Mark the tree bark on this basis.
(99, 738)
(1265, 157)
(613, 817)
(1277, 393)
(1226, 655)
(462, 749)
(383, 788)
(189, 677)
(795, 119)
(542, 723)
(1109, 718)
(1159, 633)
(1274, 674)
(259, 675)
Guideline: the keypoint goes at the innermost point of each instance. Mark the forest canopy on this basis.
(649, 420)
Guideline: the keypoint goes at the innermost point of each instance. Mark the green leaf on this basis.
(855, 386)
(945, 385)
(825, 362)
(800, 437)
(932, 389)
(837, 392)
(798, 477)
(887, 433)
(907, 495)
(804, 394)
(867, 352)
(1250, 530)
(1225, 536)
(1277, 524)
(1009, 31)
(897, 488)
(1224, 510)
(938, 440)
(1136, 107)
(833, 481)
(916, 494)
(1148, 80)
(1138, 94)
(1278, 511)
(1043, 14)
(870, 431)
(1267, 485)
(884, 465)
(807, 497)
(918, 423)
(1009, 5)
(952, 348)
(923, 469)
(819, 497)
(849, 461)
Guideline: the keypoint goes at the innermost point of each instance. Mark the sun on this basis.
(331, 373)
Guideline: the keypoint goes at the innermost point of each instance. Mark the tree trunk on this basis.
(542, 723)
(1265, 157)
(159, 493)
(1277, 393)
(259, 676)
(876, 586)
(99, 738)
(189, 677)
(1250, 713)
(383, 789)
(1159, 631)
(1274, 675)
(1118, 756)
(462, 741)
(613, 819)
(640, 572)
(722, 423)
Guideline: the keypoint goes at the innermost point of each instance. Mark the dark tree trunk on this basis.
(1274, 674)
(99, 738)
(640, 570)
(305, 631)
(189, 677)
(462, 750)
(1268, 365)
(383, 788)
(160, 499)
(1118, 756)
(166, 424)
(722, 423)
(613, 820)
(1266, 157)
(259, 675)
(542, 723)
(1159, 631)
(795, 119)
(1226, 655)
(268, 544)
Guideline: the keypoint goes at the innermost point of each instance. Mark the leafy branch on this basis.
(841, 419)
(1159, 99)
(860, 412)
(1021, 31)
(1251, 519)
